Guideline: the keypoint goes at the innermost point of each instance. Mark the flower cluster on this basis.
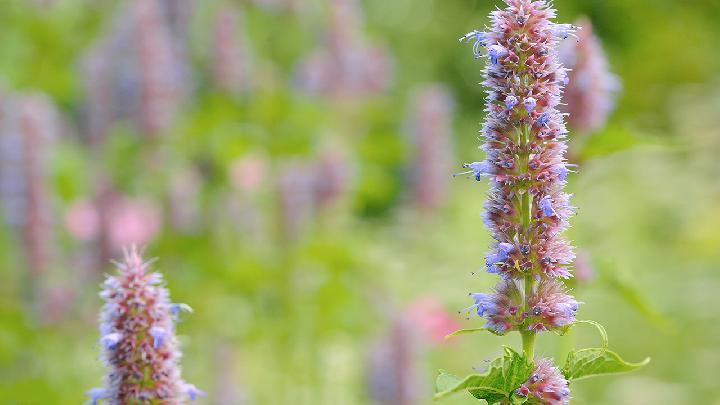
(527, 209)
(546, 384)
(550, 307)
(501, 308)
(138, 339)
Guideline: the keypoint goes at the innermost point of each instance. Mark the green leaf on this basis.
(497, 384)
(446, 381)
(586, 363)
(473, 330)
(479, 385)
(517, 400)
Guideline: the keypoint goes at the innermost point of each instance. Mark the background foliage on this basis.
(294, 320)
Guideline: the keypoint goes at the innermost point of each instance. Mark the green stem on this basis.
(525, 211)
(528, 342)
(528, 336)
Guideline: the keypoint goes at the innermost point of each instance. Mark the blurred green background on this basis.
(288, 217)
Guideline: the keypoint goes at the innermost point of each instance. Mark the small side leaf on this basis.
(603, 333)
(586, 363)
(477, 384)
(446, 381)
(473, 330)
(601, 329)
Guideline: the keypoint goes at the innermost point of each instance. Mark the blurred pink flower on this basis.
(431, 319)
(82, 220)
(133, 221)
(247, 174)
(584, 270)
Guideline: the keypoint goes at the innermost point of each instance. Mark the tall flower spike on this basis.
(527, 212)
(527, 209)
(138, 339)
(591, 89)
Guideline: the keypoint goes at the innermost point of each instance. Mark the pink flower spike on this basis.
(139, 346)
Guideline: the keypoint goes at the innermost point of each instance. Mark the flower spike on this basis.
(139, 346)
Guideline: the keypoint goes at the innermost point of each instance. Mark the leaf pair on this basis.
(497, 384)
(590, 362)
(507, 373)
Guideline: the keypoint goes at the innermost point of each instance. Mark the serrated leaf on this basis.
(586, 363)
(473, 330)
(497, 384)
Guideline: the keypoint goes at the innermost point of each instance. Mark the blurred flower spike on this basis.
(592, 89)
